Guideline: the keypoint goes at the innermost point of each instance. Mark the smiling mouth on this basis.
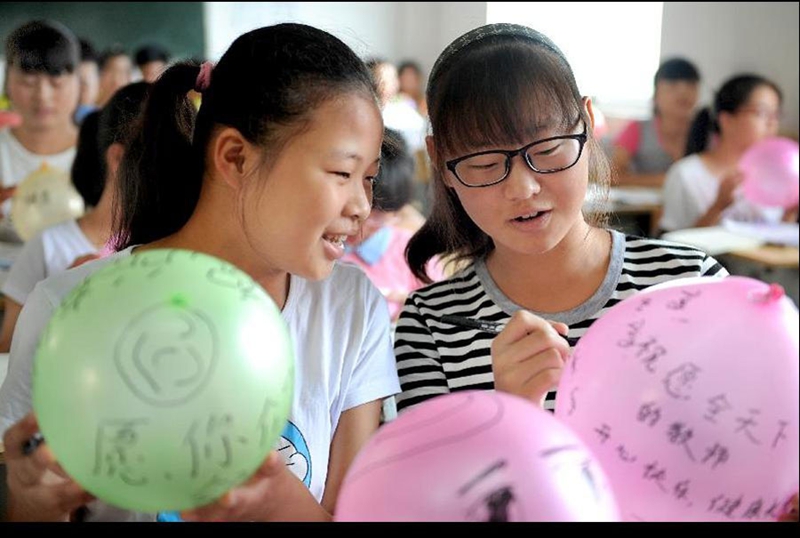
(529, 216)
(336, 240)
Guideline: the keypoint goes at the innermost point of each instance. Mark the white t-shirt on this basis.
(16, 163)
(343, 353)
(690, 190)
(400, 115)
(51, 251)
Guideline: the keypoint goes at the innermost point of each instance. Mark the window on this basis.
(613, 47)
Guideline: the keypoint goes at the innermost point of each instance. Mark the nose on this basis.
(521, 182)
(44, 91)
(360, 203)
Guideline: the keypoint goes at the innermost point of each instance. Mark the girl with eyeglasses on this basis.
(702, 188)
(514, 155)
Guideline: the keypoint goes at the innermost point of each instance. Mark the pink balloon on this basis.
(771, 169)
(475, 456)
(687, 393)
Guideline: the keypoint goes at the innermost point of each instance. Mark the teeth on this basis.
(529, 216)
(336, 239)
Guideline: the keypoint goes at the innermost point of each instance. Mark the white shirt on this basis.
(690, 190)
(343, 353)
(16, 163)
(51, 251)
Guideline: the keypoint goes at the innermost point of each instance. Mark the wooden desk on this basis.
(770, 256)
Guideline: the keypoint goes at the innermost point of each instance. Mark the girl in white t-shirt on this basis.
(273, 174)
(42, 85)
(702, 188)
(102, 143)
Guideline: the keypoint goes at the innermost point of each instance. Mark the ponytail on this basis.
(700, 132)
(161, 173)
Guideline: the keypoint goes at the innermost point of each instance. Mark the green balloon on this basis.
(163, 380)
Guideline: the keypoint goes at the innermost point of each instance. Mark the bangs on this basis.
(502, 97)
(41, 48)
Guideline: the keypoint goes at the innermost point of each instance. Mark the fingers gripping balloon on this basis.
(163, 380)
(687, 393)
(475, 456)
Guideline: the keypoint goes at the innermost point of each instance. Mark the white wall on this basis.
(731, 37)
(369, 28)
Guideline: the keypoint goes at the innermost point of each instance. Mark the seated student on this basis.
(514, 154)
(116, 71)
(380, 248)
(103, 138)
(152, 61)
(42, 60)
(409, 74)
(644, 150)
(89, 76)
(701, 189)
(272, 174)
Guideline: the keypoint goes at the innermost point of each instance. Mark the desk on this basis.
(638, 209)
(770, 256)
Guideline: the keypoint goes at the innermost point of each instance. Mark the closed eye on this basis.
(345, 175)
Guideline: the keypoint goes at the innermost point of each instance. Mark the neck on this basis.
(97, 224)
(559, 279)
(725, 154)
(205, 233)
(46, 141)
(674, 126)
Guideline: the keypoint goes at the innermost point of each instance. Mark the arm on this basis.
(417, 356)
(355, 427)
(725, 197)
(11, 310)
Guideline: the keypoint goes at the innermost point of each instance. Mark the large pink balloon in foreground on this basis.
(687, 393)
(475, 456)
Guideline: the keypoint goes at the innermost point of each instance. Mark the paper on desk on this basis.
(713, 240)
(635, 196)
(782, 233)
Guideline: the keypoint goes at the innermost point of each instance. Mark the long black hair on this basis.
(266, 86)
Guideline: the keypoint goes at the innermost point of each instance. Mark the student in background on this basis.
(644, 150)
(410, 77)
(514, 153)
(116, 71)
(151, 60)
(399, 111)
(102, 142)
(42, 84)
(702, 188)
(380, 248)
(89, 76)
(273, 174)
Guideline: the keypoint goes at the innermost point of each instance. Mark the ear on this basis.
(431, 146)
(232, 157)
(587, 104)
(114, 155)
(724, 119)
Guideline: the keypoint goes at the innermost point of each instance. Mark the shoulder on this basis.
(647, 255)
(463, 283)
(58, 286)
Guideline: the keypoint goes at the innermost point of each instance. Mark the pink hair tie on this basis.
(203, 77)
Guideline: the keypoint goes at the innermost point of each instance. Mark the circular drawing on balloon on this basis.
(167, 354)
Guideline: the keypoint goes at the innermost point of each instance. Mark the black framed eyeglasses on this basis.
(546, 156)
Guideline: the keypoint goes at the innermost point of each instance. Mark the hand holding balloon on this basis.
(39, 489)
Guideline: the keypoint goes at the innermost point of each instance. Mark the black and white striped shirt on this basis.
(435, 358)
